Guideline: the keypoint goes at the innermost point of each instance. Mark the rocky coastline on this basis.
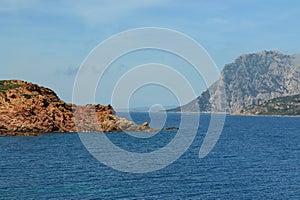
(28, 109)
(280, 106)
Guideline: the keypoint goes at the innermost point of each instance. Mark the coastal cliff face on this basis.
(27, 107)
(250, 79)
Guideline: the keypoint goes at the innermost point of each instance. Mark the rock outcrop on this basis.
(29, 108)
(250, 79)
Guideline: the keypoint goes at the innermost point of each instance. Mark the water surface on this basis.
(255, 158)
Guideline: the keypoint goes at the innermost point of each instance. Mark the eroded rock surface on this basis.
(28, 108)
(251, 79)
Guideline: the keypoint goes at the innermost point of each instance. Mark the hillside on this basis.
(27, 107)
(289, 105)
(250, 79)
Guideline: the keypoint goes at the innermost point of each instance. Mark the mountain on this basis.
(250, 79)
(28, 108)
(289, 105)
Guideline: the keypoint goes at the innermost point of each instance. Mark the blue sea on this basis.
(254, 158)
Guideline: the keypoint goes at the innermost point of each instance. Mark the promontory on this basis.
(29, 108)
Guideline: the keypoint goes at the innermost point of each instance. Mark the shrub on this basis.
(7, 85)
(27, 96)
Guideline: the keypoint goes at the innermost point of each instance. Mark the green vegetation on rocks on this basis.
(288, 105)
(8, 85)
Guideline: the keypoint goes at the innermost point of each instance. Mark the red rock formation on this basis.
(27, 107)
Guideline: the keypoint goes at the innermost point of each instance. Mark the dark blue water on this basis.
(255, 158)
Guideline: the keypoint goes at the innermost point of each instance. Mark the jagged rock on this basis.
(27, 108)
(127, 125)
(250, 79)
(171, 128)
(145, 124)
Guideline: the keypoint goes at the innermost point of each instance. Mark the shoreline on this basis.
(235, 114)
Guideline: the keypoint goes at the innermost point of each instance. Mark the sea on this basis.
(255, 157)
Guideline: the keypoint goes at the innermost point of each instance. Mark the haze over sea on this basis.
(255, 158)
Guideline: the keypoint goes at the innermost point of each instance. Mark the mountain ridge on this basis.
(250, 79)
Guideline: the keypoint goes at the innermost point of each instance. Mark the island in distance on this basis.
(27, 109)
(246, 84)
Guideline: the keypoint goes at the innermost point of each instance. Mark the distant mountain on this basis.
(250, 79)
(289, 105)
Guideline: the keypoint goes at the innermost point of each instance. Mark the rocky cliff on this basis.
(27, 107)
(250, 79)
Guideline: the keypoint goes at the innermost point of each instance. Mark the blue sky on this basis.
(46, 41)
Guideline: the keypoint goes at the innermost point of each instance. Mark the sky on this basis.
(46, 42)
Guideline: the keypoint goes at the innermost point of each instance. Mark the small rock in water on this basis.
(171, 128)
(145, 124)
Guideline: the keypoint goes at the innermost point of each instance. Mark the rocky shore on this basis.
(27, 109)
(281, 106)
